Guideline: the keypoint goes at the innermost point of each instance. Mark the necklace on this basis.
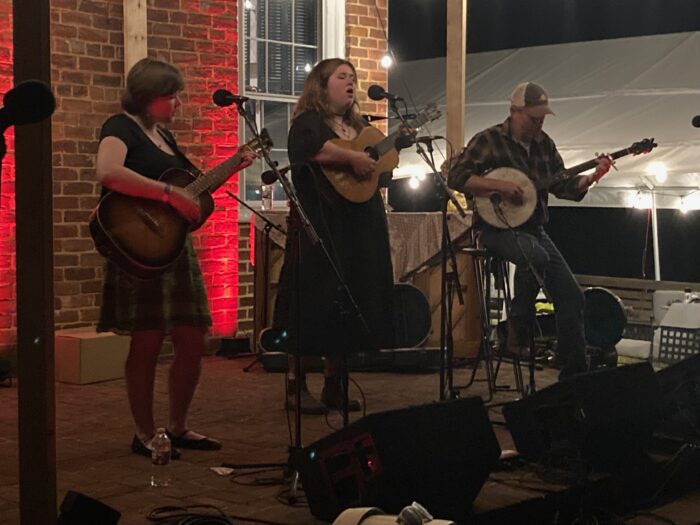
(342, 129)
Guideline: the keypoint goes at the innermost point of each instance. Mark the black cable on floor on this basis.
(207, 515)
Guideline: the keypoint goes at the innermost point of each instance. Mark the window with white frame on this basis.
(281, 43)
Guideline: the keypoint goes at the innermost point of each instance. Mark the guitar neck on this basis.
(387, 143)
(214, 178)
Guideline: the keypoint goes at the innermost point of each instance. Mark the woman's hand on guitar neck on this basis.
(184, 204)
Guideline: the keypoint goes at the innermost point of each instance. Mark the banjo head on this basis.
(515, 215)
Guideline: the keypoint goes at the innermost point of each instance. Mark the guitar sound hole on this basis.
(372, 153)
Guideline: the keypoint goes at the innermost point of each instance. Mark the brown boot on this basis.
(308, 403)
(332, 395)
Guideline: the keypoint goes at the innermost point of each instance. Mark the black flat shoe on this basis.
(204, 443)
(140, 448)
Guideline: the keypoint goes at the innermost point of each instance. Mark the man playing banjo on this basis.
(520, 143)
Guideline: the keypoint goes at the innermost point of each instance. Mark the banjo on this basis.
(503, 214)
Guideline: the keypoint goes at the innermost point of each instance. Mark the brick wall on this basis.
(87, 75)
(8, 307)
(365, 44)
(87, 58)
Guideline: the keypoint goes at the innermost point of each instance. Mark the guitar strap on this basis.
(173, 145)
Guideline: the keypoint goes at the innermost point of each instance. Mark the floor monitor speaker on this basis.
(438, 455)
(606, 417)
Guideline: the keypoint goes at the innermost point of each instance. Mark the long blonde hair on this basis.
(314, 96)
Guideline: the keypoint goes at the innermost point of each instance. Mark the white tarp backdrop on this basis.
(606, 95)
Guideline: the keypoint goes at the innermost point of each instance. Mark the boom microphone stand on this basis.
(298, 214)
(449, 281)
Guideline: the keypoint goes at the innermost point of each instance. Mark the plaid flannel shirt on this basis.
(496, 148)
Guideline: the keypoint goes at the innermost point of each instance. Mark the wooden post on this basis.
(35, 328)
(135, 32)
(455, 91)
(455, 78)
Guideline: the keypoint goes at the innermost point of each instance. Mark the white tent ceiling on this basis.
(606, 95)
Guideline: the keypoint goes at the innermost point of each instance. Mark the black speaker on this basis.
(79, 509)
(606, 416)
(438, 455)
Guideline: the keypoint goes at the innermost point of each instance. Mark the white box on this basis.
(85, 356)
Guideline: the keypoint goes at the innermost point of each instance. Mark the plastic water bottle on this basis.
(266, 197)
(160, 460)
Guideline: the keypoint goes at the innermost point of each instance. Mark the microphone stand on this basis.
(265, 263)
(297, 214)
(448, 281)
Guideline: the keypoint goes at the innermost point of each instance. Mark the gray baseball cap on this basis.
(530, 95)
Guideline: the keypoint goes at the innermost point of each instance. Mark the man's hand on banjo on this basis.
(602, 166)
(510, 191)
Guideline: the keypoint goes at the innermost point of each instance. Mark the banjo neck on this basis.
(579, 168)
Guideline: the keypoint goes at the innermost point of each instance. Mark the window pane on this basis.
(306, 22)
(254, 18)
(279, 69)
(252, 180)
(276, 120)
(280, 20)
(304, 59)
(254, 57)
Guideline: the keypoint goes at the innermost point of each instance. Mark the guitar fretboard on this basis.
(214, 178)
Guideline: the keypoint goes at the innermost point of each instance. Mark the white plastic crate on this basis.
(680, 333)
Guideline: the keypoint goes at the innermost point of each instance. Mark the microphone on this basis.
(224, 98)
(268, 177)
(427, 139)
(372, 118)
(28, 102)
(696, 121)
(376, 92)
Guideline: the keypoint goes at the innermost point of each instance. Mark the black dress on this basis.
(357, 237)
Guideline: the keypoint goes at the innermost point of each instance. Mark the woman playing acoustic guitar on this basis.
(355, 234)
(134, 151)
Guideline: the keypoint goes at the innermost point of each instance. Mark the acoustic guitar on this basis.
(381, 148)
(145, 236)
(504, 214)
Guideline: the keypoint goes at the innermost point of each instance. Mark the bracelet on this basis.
(167, 190)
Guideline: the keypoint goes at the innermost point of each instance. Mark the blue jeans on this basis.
(559, 281)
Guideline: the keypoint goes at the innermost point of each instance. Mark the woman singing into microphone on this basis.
(356, 236)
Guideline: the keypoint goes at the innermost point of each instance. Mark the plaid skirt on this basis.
(177, 297)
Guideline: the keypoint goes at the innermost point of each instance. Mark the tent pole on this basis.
(655, 237)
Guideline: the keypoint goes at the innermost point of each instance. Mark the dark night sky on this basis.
(417, 27)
